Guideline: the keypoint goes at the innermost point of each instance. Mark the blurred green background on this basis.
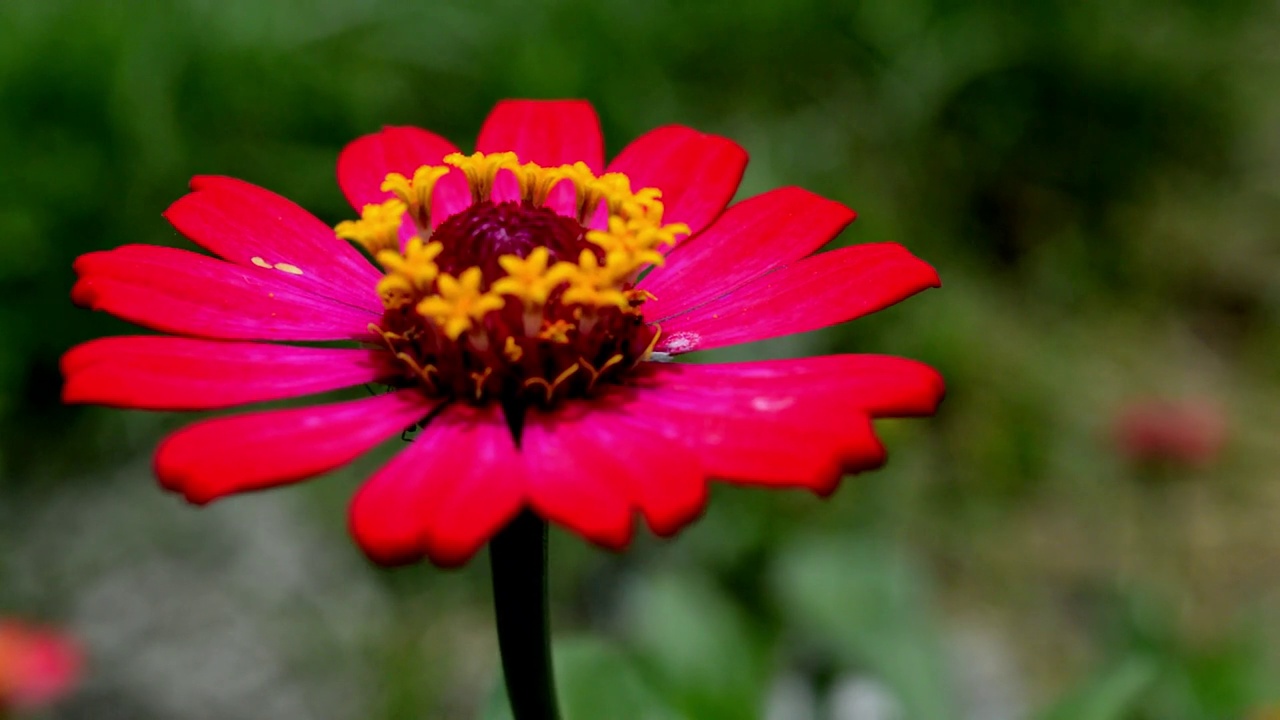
(1097, 183)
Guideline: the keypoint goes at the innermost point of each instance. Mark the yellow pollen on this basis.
(260, 262)
(378, 227)
(287, 268)
(415, 192)
(557, 331)
(460, 303)
(512, 350)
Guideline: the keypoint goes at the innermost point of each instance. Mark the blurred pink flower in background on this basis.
(37, 665)
(1189, 433)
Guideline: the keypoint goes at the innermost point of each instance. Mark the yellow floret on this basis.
(459, 303)
(481, 169)
(409, 274)
(529, 279)
(378, 227)
(596, 285)
(415, 193)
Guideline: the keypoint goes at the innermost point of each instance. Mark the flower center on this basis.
(485, 232)
(512, 301)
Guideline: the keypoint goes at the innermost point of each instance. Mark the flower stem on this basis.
(518, 559)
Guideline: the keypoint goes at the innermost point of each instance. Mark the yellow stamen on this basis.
(550, 387)
(536, 182)
(557, 331)
(512, 350)
(653, 343)
(460, 303)
(479, 379)
(423, 373)
(415, 192)
(481, 169)
(595, 374)
(378, 227)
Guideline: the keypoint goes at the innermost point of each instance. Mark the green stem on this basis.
(518, 558)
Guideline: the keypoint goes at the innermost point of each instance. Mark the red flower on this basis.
(36, 666)
(516, 325)
(1155, 431)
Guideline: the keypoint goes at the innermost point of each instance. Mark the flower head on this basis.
(1156, 431)
(37, 666)
(523, 309)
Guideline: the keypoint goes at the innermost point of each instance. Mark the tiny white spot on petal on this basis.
(681, 342)
(772, 404)
(260, 262)
(287, 268)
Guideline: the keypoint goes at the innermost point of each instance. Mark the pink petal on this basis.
(218, 457)
(696, 172)
(547, 132)
(174, 373)
(751, 238)
(739, 438)
(813, 293)
(190, 294)
(366, 161)
(660, 478)
(445, 495)
(251, 226)
(881, 385)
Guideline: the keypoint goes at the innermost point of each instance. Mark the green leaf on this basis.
(864, 604)
(1112, 696)
(593, 681)
(700, 646)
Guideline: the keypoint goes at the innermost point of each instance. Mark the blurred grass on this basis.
(1098, 184)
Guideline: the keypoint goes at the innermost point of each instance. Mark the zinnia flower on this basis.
(530, 302)
(37, 666)
(1186, 433)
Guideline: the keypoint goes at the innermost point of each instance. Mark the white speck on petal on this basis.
(260, 262)
(287, 268)
(681, 342)
(772, 404)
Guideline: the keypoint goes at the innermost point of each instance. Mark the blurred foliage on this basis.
(1098, 184)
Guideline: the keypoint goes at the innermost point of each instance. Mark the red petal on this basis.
(751, 238)
(445, 495)
(813, 293)
(210, 459)
(251, 226)
(660, 478)
(742, 440)
(38, 665)
(547, 132)
(173, 373)
(191, 294)
(574, 483)
(697, 173)
(881, 385)
(366, 161)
